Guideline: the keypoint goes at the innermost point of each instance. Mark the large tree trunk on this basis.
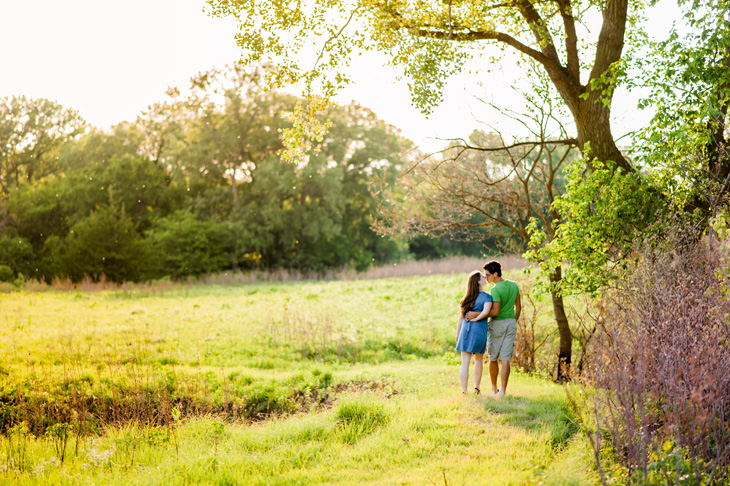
(590, 106)
(592, 120)
(565, 351)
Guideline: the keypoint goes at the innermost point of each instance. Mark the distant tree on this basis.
(98, 147)
(52, 207)
(132, 181)
(317, 214)
(285, 218)
(164, 126)
(365, 149)
(17, 254)
(236, 124)
(32, 131)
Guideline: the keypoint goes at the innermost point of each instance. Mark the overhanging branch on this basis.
(573, 142)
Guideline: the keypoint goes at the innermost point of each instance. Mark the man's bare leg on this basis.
(505, 377)
(493, 373)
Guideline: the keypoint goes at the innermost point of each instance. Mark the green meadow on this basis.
(340, 382)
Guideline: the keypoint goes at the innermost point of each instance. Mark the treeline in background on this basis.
(195, 185)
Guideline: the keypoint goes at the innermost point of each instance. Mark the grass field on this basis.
(340, 382)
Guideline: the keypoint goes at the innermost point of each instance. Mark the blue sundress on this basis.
(473, 337)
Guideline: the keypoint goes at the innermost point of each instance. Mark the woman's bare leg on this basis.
(464, 372)
(478, 367)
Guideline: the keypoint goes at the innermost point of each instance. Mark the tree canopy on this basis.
(194, 185)
(31, 133)
(431, 41)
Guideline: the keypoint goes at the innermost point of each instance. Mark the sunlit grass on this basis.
(424, 432)
(361, 377)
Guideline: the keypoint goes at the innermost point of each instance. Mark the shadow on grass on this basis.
(537, 415)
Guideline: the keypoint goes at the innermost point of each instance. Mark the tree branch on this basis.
(571, 39)
(540, 30)
(573, 142)
(611, 38)
(471, 35)
(334, 36)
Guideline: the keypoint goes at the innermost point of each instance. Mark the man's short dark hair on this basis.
(493, 267)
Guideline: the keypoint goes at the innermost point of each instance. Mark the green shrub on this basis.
(106, 243)
(6, 273)
(265, 401)
(17, 254)
(670, 465)
(187, 246)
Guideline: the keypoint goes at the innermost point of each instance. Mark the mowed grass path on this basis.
(416, 428)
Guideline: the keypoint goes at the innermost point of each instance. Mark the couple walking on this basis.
(474, 334)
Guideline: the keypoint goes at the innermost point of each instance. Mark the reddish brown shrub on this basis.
(660, 360)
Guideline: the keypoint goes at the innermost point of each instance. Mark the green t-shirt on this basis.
(505, 292)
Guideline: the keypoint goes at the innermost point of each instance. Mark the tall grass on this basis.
(422, 435)
(408, 268)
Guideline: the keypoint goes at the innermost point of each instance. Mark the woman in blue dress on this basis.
(471, 335)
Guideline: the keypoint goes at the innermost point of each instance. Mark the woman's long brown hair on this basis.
(472, 291)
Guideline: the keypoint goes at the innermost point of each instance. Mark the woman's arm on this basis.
(496, 305)
(458, 328)
(484, 313)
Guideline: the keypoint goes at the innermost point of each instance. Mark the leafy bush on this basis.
(266, 401)
(16, 253)
(106, 243)
(184, 245)
(603, 210)
(6, 273)
(672, 465)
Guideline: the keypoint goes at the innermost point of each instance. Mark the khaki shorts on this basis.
(501, 339)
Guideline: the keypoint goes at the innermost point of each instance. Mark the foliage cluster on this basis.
(195, 185)
(685, 145)
(604, 210)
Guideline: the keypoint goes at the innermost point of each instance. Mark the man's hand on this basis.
(471, 315)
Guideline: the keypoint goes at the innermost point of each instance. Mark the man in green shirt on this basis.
(506, 309)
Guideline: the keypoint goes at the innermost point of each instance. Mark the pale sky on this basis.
(110, 60)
